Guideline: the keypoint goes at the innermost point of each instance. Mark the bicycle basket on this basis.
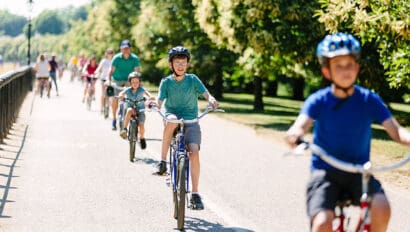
(110, 91)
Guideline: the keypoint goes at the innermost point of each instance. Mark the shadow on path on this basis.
(197, 224)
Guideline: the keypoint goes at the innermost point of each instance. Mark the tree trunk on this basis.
(298, 88)
(272, 88)
(218, 87)
(257, 90)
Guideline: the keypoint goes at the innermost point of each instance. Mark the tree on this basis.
(49, 22)
(383, 27)
(10, 24)
(272, 38)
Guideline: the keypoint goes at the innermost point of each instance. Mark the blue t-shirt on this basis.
(137, 95)
(181, 97)
(343, 126)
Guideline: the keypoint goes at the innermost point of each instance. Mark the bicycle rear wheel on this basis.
(106, 107)
(181, 191)
(132, 138)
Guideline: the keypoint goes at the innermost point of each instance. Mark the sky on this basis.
(20, 7)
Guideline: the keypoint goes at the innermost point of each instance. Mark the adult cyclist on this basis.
(180, 91)
(122, 65)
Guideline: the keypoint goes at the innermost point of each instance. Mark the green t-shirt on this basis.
(181, 97)
(123, 67)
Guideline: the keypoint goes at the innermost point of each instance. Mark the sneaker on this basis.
(114, 124)
(143, 144)
(161, 168)
(196, 202)
(123, 133)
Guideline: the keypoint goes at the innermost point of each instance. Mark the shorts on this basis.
(118, 86)
(192, 134)
(326, 187)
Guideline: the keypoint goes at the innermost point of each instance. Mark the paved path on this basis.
(63, 169)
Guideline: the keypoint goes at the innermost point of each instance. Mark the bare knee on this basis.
(322, 221)
(380, 212)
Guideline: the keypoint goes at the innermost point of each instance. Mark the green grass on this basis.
(280, 113)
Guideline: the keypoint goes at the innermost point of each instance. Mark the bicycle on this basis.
(342, 218)
(109, 92)
(42, 84)
(91, 79)
(133, 125)
(179, 165)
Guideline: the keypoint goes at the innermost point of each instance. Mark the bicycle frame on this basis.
(366, 170)
(133, 124)
(179, 152)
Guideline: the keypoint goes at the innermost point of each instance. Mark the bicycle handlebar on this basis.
(343, 165)
(205, 112)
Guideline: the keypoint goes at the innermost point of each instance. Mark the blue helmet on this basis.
(178, 51)
(337, 44)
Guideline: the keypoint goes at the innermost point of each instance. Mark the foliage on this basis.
(10, 24)
(384, 25)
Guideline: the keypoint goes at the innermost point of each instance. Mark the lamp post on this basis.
(30, 8)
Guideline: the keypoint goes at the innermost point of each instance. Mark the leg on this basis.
(102, 95)
(195, 165)
(114, 105)
(127, 117)
(141, 130)
(380, 213)
(166, 139)
(322, 222)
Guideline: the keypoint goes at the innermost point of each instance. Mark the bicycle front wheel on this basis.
(181, 191)
(132, 137)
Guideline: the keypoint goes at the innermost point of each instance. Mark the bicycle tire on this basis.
(173, 173)
(132, 137)
(181, 191)
(106, 107)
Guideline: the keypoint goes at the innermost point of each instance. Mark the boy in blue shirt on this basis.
(180, 92)
(342, 114)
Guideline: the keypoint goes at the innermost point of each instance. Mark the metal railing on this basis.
(14, 86)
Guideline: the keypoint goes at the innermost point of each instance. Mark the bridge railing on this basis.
(14, 86)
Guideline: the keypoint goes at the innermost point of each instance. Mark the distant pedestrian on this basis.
(53, 70)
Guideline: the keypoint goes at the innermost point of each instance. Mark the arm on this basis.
(211, 100)
(112, 69)
(396, 131)
(302, 124)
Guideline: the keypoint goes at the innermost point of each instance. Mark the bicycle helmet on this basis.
(337, 44)
(134, 75)
(178, 51)
(109, 91)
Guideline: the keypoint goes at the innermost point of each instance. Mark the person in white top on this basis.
(42, 68)
(103, 70)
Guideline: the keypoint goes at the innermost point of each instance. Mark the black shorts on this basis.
(326, 187)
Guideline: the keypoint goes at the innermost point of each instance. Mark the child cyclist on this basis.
(89, 74)
(180, 91)
(342, 114)
(135, 92)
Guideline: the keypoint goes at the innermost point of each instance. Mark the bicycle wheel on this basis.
(132, 138)
(181, 191)
(173, 172)
(106, 107)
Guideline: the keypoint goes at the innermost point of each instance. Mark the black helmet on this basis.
(178, 51)
(109, 91)
(134, 75)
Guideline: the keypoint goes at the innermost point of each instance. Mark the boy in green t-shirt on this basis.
(180, 92)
